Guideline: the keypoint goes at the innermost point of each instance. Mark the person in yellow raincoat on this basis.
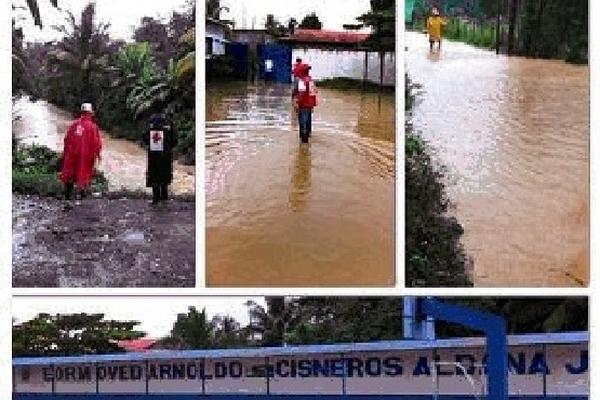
(435, 23)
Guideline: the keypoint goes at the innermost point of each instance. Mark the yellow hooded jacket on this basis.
(434, 27)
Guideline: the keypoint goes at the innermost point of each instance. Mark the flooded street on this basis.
(513, 134)
(123, 161)
(284, 214)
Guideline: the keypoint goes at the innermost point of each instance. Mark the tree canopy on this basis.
(75, 334)
(126, 81)
(288, 320)
(310, 21)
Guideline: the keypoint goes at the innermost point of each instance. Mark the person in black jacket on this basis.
(161, 140)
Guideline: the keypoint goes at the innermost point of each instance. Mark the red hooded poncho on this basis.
(81, 149)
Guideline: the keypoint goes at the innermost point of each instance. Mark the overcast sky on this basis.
(332, 13)
(156, 314)
(123, 15)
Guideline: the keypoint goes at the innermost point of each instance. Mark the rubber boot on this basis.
(155, 194)
(164, 192)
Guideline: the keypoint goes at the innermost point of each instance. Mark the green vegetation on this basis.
(126, 82)
(434, 254)
(353, 84)
(480, 35)
(75, 334)
(532, 28)
(289, 320)
(35, 172)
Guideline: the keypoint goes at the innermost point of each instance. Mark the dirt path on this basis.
(102, 243)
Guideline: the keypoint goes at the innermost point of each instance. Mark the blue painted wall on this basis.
(281, 55)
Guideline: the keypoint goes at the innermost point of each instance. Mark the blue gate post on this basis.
(494, 328)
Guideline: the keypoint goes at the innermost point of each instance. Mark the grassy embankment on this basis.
(460, 30)
(35, 172)
(354, 84)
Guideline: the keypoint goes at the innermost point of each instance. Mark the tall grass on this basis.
(480, 35)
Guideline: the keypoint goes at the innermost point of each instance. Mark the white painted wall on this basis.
(348, 64)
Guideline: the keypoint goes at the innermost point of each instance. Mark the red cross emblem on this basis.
(156, 137)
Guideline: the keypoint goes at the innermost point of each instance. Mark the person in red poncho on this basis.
(82, 147)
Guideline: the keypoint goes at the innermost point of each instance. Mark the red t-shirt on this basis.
(297, 69)
(307, 92)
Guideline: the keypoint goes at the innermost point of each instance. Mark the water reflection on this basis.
(513, 133)
(284, 214)
(300, 179)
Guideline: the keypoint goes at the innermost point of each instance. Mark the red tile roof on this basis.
(136, 345)
(326, 36)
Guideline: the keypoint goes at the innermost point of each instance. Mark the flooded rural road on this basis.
(513, 133)
(284, 214)
(109, 241)
(123, 161)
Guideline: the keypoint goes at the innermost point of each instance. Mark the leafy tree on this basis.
(274, 27)
(190, 331)
(77, 63)
(155, 33)
(310, 21)
(343, 319)
(227, 333)
(382, 20)
(193, 330)
(74, 334)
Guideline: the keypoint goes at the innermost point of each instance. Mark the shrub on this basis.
(35, 172)
(434, 254)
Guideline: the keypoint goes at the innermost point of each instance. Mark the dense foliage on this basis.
(61, 335)
(434, 255)
(290, 320)
(532, 28)
(126, 81)
(35, 171)
(310, 21)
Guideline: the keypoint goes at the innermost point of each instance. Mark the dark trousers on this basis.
(305, 123)
(69, 188)
(160, 193)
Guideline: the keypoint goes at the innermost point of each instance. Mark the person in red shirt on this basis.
(306, 100)
(296, 72)
(82, 147)
(297, 67)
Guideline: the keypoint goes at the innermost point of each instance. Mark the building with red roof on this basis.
(326, 38)
(136, 345)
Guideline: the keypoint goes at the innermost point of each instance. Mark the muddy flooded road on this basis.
(284, 214)
(513, 134)
(123, 161)
(102, 243)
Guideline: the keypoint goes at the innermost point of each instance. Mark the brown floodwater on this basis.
(279, 213)
(123, 162)
(514, 135)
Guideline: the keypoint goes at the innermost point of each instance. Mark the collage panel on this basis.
(103, 142)
(497, 143)
(326, 347)
(300, 143)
